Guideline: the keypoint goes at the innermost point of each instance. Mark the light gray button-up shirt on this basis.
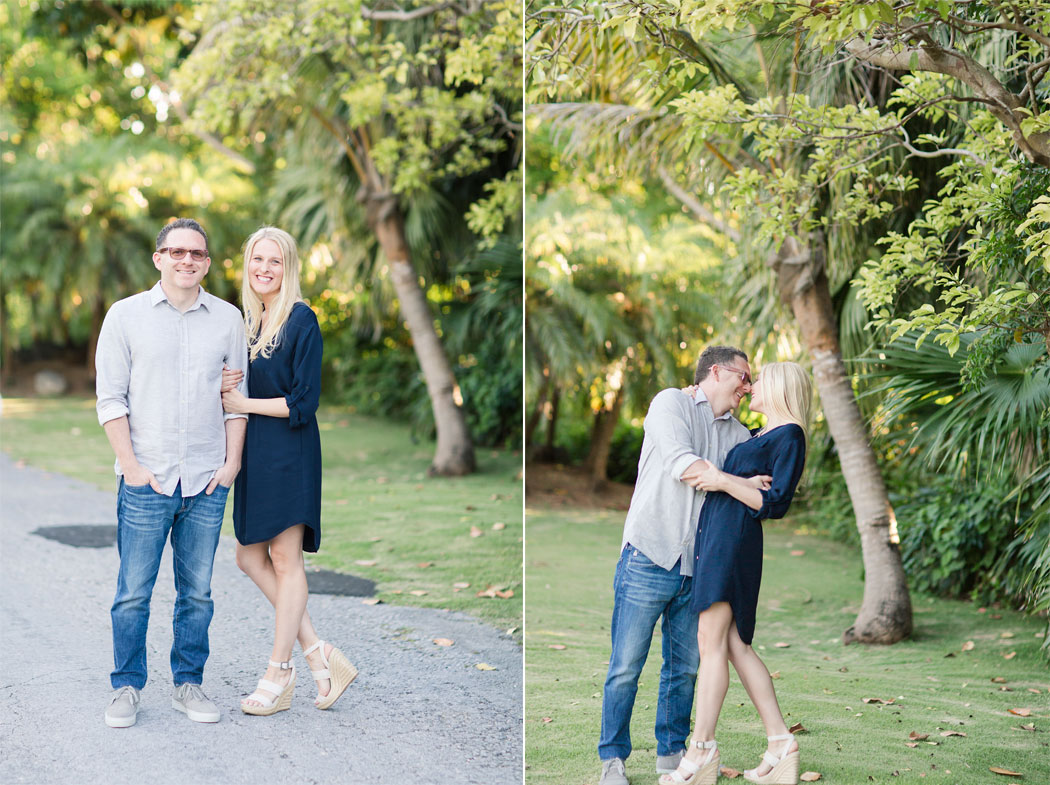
(163, 369)
(664, 512)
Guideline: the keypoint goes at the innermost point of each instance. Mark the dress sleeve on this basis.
(306, 371)
(788, 461)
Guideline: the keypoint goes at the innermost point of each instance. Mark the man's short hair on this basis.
(181, 223)
(715, 355)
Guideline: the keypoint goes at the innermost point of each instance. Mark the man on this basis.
(654, 574)
(158, 372)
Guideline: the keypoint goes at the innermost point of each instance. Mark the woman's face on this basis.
(756, 404)
(266, 269)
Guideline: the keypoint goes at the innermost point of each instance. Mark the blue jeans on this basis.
(144, 519)
(643, 592)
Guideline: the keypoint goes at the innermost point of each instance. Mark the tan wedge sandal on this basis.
(784, 769)
(282, 694)
(337, 669)
(704, 773)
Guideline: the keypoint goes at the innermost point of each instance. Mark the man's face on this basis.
(733, 382)
(187, 272)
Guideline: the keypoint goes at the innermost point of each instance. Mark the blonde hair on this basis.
(263, 342)
(787, 393)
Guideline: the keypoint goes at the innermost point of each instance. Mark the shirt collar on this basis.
(701, 397)
(157, 296)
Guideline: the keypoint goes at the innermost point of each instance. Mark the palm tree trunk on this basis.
(537, 411)
(885, 614)
(605, 422)
(455, 449)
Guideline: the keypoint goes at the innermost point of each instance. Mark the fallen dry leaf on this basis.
(809, 776)
(382, 480)
(916, 736)
(775, 675)
(548, 719)
(443, 641)
(1029, 727)
(797, 728)
(1007, 772)
(419, 592)
(475, 531)
(396, 591)
(968, 646)
(366, 562)
(461, 585)
(952, 733)
(505, 595)
(729, 773)
(1033, 689)
(484, 666)
(798, 553)
(998, 680)
(375, 539)
(1005, 689)
(878, 700)
(499, 526)
(782, 645)
(371, 601)
(911, 744)
(1006, 635)
(558, 646)
(424, 564)
(1010, 655)
(1021, 712)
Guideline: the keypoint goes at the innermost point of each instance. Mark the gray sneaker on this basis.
(123, 708)
(613, 772)
(191, 701)
(665, 764)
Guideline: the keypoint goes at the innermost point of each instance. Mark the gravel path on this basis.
(418, 712)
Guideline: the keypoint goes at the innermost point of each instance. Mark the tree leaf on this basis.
(1021, 712)
(916, 736)
(809, 776)
(443, 641)
(1007, 772)
(484, 666)
(968, 646)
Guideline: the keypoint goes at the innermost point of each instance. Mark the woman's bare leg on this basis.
(759, 685)
(257, 562)
(712, 680)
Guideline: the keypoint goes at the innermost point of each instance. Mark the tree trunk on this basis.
(455, 449)
(552, 423)
(537, 411)
(605, 421)
(885, 613)
(98, 314)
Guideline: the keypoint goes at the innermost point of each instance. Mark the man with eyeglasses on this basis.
(654, 574)
(158, 369)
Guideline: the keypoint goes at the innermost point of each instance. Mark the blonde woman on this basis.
(277, 496)
(728, 571)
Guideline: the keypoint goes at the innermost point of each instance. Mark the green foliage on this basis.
(967, 542)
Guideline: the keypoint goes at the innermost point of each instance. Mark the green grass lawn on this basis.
(377, 506)
(807, 601)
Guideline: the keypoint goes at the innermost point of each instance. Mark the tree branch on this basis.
(176, 103)
(1001, 102)
(694, 205)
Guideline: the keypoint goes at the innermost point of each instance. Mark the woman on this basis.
(277, 496)
(728, 572)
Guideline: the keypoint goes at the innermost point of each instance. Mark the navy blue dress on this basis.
(280, 480)
(728, 551)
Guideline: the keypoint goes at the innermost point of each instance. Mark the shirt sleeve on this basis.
(788, 462)
(671, 432)
(237, 359)
(306, 373)
(112, 369)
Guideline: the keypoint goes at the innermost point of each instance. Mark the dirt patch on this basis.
(554, 485)
(18, 382)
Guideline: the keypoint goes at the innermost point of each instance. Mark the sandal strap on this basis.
(284, 666)
(771, 759)
(781, 737)
(270, 686)
(324, 673)
(314, 646)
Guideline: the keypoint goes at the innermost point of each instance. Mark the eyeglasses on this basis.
(180, 253)
(745, 377)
